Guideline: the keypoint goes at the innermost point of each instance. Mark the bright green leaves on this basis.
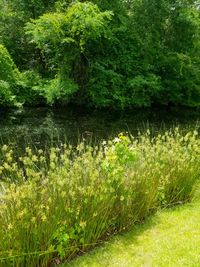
(86, 22)
(47, 29)
(8, 70)
(81, 22)
(143, 87)
(59, 89)
(64, 37)
(6, 96)
(107, 53)
(9, 76)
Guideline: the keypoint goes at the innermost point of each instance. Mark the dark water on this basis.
(44, 126)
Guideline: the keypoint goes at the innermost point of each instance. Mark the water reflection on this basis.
(44, 126)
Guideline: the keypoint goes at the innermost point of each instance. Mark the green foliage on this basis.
(6, 96)
(59, 90)
(64, 36)
(80, 23)
(167, 49)
(29, 90)
(8, 70)
(9, 76)
(17, 88)
(143, 88)
(13, 16)
(119, 53)
(159, 241)
(56, 203)
(102, 79)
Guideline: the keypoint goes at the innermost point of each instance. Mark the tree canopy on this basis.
(121, 53)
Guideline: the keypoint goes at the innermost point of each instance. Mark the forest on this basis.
(99, 53)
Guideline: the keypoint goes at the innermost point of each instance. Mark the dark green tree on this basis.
(64, 36)
(119, 54)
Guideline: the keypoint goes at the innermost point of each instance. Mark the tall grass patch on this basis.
(56, 203)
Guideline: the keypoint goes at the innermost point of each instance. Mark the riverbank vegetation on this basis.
(168, 238)
(98, 53)
(55, 204)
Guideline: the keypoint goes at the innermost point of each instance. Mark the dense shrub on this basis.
(9, 77)
(8, 70)
(58, 90)
(30, 89)
(56, 203)
(6, 96)
(18, 88)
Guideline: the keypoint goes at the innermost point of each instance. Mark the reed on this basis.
(56, 203)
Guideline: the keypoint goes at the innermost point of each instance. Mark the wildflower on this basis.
(8, 157)
(63, 194)
(5, 148)
(82, 224)
(49, 200)
(6, 166)
(44, 217)
(42, 158)
(122, 136)
(34, 158)
(53, 156)
(10, 226)
(52, 165)
(28, 150)
(195, 133)
(116, 140)
(104, 143)
(43, 191)
(95, 214)
(21, 214)
(40, 151)
(33, 219)
(122, 198)
(1, 169)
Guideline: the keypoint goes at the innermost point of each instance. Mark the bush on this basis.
(57, 203)
(59, 90)
(8, 70)
(6, 96)
(11, 81)
(29, 89)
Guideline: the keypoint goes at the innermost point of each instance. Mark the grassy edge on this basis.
(171, 237)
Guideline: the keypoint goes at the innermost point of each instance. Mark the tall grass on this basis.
(55, 204)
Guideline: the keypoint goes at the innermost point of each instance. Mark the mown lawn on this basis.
(169, 238)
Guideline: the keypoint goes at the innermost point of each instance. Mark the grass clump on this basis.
(55, 204)
(171, 237)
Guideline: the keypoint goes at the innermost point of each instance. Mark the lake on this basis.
(45, 126)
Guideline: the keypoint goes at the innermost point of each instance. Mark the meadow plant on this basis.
(56, 203)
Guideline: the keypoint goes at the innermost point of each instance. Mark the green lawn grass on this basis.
(171, 237)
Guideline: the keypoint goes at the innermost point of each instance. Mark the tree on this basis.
(104, 53)
(9, 76)
(64, 38)
(13, 16)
